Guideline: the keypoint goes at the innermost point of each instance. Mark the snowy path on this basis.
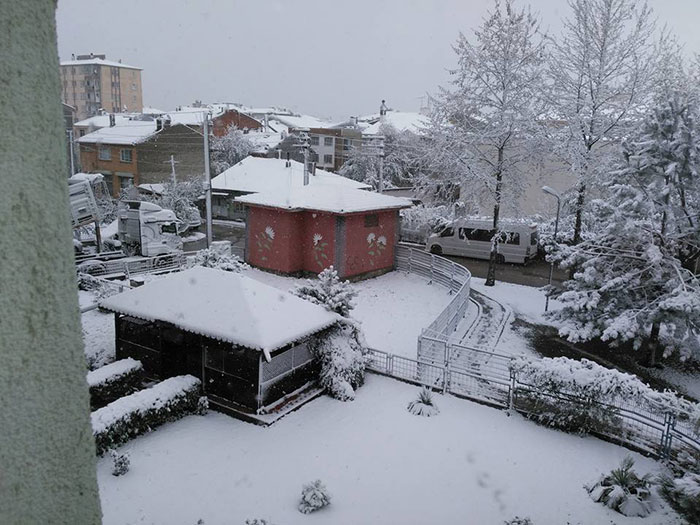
(470, 464)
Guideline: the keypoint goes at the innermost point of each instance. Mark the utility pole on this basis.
(305, 147)
(380, 151)
(172, 168)
(72, 154)
(207, 176)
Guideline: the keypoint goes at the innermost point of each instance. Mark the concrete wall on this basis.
(369, 248)
(47, 454)
(274, 239)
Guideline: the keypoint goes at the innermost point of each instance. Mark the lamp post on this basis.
(554, 194)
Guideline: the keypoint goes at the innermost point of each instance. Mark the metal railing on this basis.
(127, 267)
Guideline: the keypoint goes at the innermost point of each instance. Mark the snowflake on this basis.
(317, 238)
(381, 240)
(270, 232)
(370, 237)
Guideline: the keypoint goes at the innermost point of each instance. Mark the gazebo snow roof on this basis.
(225, 306)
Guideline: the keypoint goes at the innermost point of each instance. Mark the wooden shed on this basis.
(246, 341)
(305, 229)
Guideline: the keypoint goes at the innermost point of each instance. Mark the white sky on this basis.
(322, 57)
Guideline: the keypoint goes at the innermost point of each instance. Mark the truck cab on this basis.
(147, 229)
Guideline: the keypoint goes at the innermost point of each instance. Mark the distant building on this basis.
(71, 146)
(92, 84)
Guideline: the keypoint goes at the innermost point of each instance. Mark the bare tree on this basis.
(600, 69)
(479, 125)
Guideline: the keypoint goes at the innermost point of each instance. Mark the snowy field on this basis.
(471, 465)
(98, 333)
(393, 308)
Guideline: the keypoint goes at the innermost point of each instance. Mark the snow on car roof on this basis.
(324, 197)
(225, 306)
(255, 175)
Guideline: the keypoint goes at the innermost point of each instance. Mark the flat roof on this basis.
(98, 62)
(226, 306)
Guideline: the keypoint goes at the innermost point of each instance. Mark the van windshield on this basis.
(447, 232)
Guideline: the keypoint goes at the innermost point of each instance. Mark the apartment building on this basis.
(92, 84)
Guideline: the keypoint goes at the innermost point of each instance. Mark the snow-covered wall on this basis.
(47, 453)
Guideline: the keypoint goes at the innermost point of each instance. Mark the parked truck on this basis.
(147, 229)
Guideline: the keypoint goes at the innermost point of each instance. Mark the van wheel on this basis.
(437, 250)
(500, 259)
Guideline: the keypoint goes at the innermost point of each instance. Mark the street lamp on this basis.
(554, 194)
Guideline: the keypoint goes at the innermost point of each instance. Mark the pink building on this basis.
(306, 229)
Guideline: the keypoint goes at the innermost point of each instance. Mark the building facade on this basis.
(92, 84)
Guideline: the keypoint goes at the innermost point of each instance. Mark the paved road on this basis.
(535, 273)
(228, 231)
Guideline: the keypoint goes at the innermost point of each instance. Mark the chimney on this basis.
(72, 57)
(166, 122)
(288, 163)
(112, 120)
(159, 124)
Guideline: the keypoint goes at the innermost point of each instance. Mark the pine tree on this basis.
(633, 279)
(328, 291)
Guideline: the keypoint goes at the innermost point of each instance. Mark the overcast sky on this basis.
(321, 57)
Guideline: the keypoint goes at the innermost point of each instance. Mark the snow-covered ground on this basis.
(470, 464)
(98, 333)
(393, 308)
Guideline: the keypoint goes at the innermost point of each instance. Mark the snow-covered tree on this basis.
(180, 197)
(479, 125)
(329, 291)
(600, 70)
(230, 149)
(633, 277)
(211, 258)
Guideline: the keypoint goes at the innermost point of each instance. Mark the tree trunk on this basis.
(580, 199)
(653, 345)
(491, 273)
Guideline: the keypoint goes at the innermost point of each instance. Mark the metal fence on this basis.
(127, 267)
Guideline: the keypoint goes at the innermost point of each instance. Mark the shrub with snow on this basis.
(210, 258)
(329, 291)
(102, 288)
(258, 521)
(114, 380)
(314, 496)
(518, 521)
(424, 405)
(683, 495)
(623, 490)
(343, 355)
(120, 463)
(138, 413)
(202, 406)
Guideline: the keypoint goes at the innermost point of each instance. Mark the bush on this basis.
(518, 521)
(343, 356)
(210, 258)
(424, 405)
(138, 413)
(329, 291)
(120, 463)
(113, 381)
(622, 490)
(683, 495)
(314, 496)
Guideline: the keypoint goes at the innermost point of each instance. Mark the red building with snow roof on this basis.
(308, 228)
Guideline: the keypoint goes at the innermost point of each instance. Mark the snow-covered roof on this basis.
(301, 121)
(399, 120)
(90, 177)
(325, 197)
(99, 62)
(255, 175)
(102, 121)
(225, 306)
(148, 110)
(129, 132)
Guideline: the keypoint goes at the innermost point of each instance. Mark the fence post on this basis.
(410, 259)
(452, 277)
(511, 390)
(432, 265)
(390, 364)
(445, 378)
(667, 435)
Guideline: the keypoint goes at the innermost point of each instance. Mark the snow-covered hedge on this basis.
(577, 395)
(142, 411)
(113, 381)
(211, 258)
(683, 495)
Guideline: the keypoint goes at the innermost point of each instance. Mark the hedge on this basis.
(113, 381)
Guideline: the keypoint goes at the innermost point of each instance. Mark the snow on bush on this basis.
(518, 521)
(424, 405)
(314, 496)
(211, 258)
(329, 291)
(683, 495)
(113, 381)
(623, 490)
(343, 355)
(576, 395)
(120, 463)
(138, 413)
(424, 220)
(102, 288)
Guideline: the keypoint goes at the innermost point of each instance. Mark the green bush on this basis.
(623, 490)
(113, 381)
(145, 410)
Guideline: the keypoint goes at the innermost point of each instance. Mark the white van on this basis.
(472, 238)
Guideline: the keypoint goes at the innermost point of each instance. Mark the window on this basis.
(463, 233)
(314, 140)
(105, 153)
(482, 235)
(347, 143)
(327, 141)
(447, 232)
(168, 228)
(125, 155)
(533, 238)
(512, 238)
(371, 220)
(82, 132)
(328, 159)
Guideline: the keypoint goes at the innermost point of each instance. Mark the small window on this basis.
(533, 238)
(327, 141)
(168, 228)
(125, 155)
(328, 159)
(82, 132)
(463, 233)
(314, 140)
(371, 220)
(105, 153)
(347, 143)
(512, 238)
(447, 232)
